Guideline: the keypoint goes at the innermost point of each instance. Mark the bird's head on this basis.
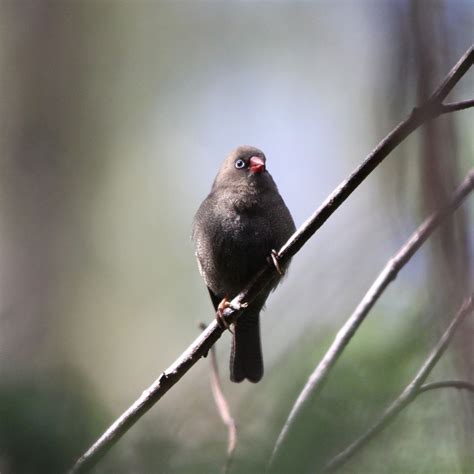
(245, 165)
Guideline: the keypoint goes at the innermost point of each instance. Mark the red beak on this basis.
(257, 164)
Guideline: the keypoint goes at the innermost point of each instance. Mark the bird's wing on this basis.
(215, 300)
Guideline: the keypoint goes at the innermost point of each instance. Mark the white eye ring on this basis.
(239, 164)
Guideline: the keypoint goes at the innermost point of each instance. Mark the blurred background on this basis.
(115, 117)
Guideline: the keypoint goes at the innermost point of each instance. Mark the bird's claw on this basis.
(223, 305)
(276, 263)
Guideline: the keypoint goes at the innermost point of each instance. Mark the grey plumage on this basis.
(235, 229)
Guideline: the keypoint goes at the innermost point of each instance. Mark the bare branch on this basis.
(224, 410)
(459, 384)
(317, 379)
(222, 407)
(453, 77)
(429, 110)
(410, 392)
(204, 342)
(455, 106)
(149, 397)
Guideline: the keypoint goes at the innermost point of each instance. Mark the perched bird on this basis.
(236, 229)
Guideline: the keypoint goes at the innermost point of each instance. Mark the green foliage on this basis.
(46, 422)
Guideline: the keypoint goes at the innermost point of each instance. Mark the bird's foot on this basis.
(223, 305)
(274, 257)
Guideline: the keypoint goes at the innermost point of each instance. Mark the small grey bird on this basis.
(235, 230)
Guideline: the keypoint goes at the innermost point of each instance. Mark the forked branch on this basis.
(319, 376)
(412, 390)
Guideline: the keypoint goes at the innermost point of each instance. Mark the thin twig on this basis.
(459, 384)
(319, 376)
(456, 106)
(204, 342)
(222, 405)
(223, 409)
(410, 392)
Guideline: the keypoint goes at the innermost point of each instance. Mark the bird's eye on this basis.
(239, 164)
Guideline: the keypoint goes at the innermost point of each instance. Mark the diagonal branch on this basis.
(429, 110)
(319, 376)
(413, 389)
(453, 77)
(200, 347)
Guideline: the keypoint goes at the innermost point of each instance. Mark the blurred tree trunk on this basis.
(41, 93)
(440, 172)
(50, 138)
(439, 164)
(425, 52)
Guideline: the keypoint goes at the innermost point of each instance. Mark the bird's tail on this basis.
(246, 361)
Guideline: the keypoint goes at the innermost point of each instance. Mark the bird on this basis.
(236, 229)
